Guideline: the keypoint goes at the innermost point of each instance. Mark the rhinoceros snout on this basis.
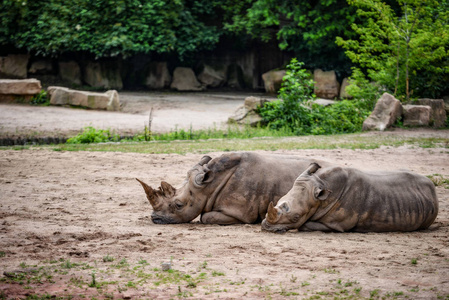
(273, 228)
(157, 219)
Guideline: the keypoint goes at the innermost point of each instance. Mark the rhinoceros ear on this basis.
(202, 178)
(151, 193)
(167, 189)
(205, 160)
(313, 167)
(321, 193)
(272, 214)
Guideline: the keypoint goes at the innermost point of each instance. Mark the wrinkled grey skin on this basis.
(346, 199)
(231, 189)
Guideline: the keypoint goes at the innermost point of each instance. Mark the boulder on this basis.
(104, 101)
(235, 77)
(272, 80)
(387, 110)
(184, 79)
(213, 76)
(344, 85)
(20, 86)
(157, 75)
(446, 104)
(438, 112)
(103, 75)
(70, 72)
(326, 84)
(246, 114)
(41, 67)
(14, 66)
(416, 115)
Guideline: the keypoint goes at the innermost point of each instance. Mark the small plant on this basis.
(439, 180)
(414, 261)
(374, 293)
(93, 283)
(216, 273)
(92, 135)
(122, 263)
(68, 264)
(108, 258)
(41, 98)
(203, 265)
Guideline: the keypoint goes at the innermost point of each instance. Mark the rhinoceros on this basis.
(346, 199)
(230, 189)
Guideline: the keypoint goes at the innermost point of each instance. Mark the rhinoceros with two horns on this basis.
(230, 189)
(347, 199)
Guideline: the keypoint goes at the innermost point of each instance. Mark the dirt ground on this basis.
(170, 111)
(77, 225)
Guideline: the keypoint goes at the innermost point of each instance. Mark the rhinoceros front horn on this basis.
(151, 193)
(272, 214)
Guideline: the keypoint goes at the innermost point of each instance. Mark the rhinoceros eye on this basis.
(295, 218)
(179, 204)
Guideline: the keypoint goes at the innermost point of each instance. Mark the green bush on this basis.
(92, 135)
(296, 90)
(296, 112)
(41, 98)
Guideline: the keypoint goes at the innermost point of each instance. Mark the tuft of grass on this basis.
(439, 180)
(108, 258)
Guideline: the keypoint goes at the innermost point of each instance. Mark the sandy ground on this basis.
(77, 225)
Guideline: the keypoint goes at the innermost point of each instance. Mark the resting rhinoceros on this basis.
(230, 189)
(347, 199)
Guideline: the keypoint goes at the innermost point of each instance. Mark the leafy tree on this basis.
(308, 28)
(109, 27)
(404, 50)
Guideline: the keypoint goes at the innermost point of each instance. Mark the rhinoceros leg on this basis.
(215, 217)
(314, 226)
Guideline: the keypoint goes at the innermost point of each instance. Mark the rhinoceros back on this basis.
(391, 201)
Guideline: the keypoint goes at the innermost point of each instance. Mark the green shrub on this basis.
(289, 111)
(295, 112)
(41, 98)
(92, 135)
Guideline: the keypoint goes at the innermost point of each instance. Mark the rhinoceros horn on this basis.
(167, 189)
(151, 193)
(272, 214)
(311, 169)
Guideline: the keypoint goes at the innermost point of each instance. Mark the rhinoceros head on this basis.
(299, 204)
(171, 205)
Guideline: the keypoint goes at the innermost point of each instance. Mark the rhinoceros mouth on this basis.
(157, 219)
(276, 228)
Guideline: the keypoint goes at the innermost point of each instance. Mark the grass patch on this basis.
(439, 180)
(346, 141)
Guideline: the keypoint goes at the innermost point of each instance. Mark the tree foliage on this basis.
(308, 28)
(405, 50)
(109, 27)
